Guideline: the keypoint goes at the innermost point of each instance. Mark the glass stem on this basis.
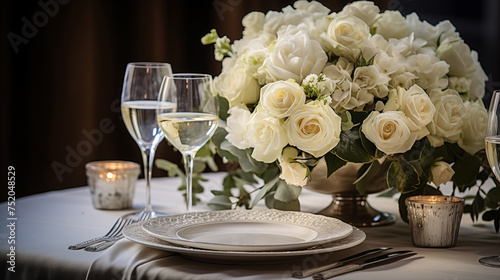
(147, 158)
(188, 167)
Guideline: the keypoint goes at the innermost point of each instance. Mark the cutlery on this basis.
(110, 241)
(360, 264)
(308, 272)
(115, 230)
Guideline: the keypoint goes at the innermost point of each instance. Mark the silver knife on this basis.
(308, 272)
(358, 265)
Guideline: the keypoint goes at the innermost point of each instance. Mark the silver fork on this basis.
(115, 230)
(102, 246)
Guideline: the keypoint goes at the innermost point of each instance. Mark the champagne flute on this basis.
(492, 152)
(191, 120)
(139, 100)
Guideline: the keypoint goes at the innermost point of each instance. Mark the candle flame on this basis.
(110, 175)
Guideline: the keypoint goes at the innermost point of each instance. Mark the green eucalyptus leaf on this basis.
(265, 191)
(171, 168)
(269, 200)
(286, 192)
(333, 163)
(245, 159)
(366, 174)
(368, 145)
(223, 108)
(220, 202)
(492, 199)
(478, 206)
(350, 148)
(402, 176)
(466, 170)
(271, 172)
(217, 192)
(293, 205)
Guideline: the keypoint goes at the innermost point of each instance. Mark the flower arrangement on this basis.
(305, 84)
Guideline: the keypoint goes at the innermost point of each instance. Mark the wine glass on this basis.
(141, 86)
(493, 152)
(191, 120)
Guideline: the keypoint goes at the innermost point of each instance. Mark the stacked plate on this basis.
(245, 235)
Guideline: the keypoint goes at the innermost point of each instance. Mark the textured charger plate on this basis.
(248, 230)
(135, 233)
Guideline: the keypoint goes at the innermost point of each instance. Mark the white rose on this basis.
(253, 23)
(441, 173)
(391, 24)
(446, 124)
(282, 98)
(293, 57)
(430, 71)
(236, 126)
(347, 35)
(389, 131)
(267, 135)
(473, 127)
(293, 173)
(414, 102)
(458, 55)
(314, 128)
(237, 85)
(429, 32)
(365, 10)
(312, 7)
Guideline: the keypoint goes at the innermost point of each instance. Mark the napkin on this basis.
(121, 261)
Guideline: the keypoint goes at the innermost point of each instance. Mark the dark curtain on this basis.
(62, 65)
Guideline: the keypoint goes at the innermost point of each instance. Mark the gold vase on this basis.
(348, 204)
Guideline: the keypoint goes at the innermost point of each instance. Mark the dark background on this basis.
(62, 82)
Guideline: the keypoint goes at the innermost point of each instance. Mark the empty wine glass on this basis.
(191, 120)
(492, 152)
(141, 86)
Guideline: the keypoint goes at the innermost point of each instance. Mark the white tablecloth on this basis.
(48, 223)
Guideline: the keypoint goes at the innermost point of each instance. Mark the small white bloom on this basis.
(441, 173)
(314, 128)
(282, 98)
(473, 127)
(369, 77)
(236, 126)
(311, 7)
(293, 173)
(460, 84)
(430, 71)
(267, 135)
(253, 24)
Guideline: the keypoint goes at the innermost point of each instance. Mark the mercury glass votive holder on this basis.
(434, 220)
(112, 183)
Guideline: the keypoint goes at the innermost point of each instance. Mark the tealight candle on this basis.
(434, 219)
(112, 183)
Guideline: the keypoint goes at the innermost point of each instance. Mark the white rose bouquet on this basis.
(305, 84)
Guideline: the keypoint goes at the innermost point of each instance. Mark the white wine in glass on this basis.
(492, 152)
(193, 120)
(139, 102)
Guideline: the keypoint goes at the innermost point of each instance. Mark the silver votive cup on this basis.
(112, 183)
(434, 219)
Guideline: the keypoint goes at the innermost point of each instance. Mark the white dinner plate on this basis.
(135, 233)
(248, 230)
